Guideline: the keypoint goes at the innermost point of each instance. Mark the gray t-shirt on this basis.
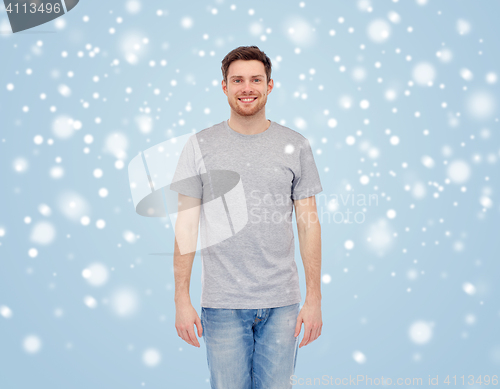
(253, 180)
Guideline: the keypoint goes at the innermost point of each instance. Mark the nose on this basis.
(247, 87)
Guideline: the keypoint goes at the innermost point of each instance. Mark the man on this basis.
(250, 317)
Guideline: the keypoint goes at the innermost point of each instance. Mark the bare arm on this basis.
(309, 233)
(186, 236)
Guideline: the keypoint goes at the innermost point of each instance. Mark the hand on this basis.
(310, 315)
(185, 317)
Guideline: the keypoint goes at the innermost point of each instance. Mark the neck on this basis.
(249, 125)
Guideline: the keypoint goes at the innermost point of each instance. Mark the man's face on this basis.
(247, 79)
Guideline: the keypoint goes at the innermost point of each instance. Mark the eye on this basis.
(258, 79)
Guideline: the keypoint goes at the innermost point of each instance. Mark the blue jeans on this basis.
(251, 348)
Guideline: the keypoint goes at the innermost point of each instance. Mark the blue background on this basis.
(400, 271)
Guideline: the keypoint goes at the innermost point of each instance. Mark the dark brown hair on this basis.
(246, 53)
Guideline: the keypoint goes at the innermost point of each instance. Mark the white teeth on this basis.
(247, 99)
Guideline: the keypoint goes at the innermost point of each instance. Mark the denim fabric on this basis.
(251, 348)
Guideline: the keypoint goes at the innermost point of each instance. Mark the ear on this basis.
(270, 85)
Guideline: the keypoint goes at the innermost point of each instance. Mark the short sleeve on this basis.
(187, 180)
(306, 182)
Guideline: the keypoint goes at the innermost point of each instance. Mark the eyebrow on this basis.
(258, 75)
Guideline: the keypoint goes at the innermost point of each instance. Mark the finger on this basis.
(192, 336)
(307, 334)
(188, 337)
(199, 327)
(298, 326)
(305, 338)
(318, 332)
(310, 337)
(179, 333)
(185, 336)
(314, 335)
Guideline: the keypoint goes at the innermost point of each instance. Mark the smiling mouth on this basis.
(247, 101)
